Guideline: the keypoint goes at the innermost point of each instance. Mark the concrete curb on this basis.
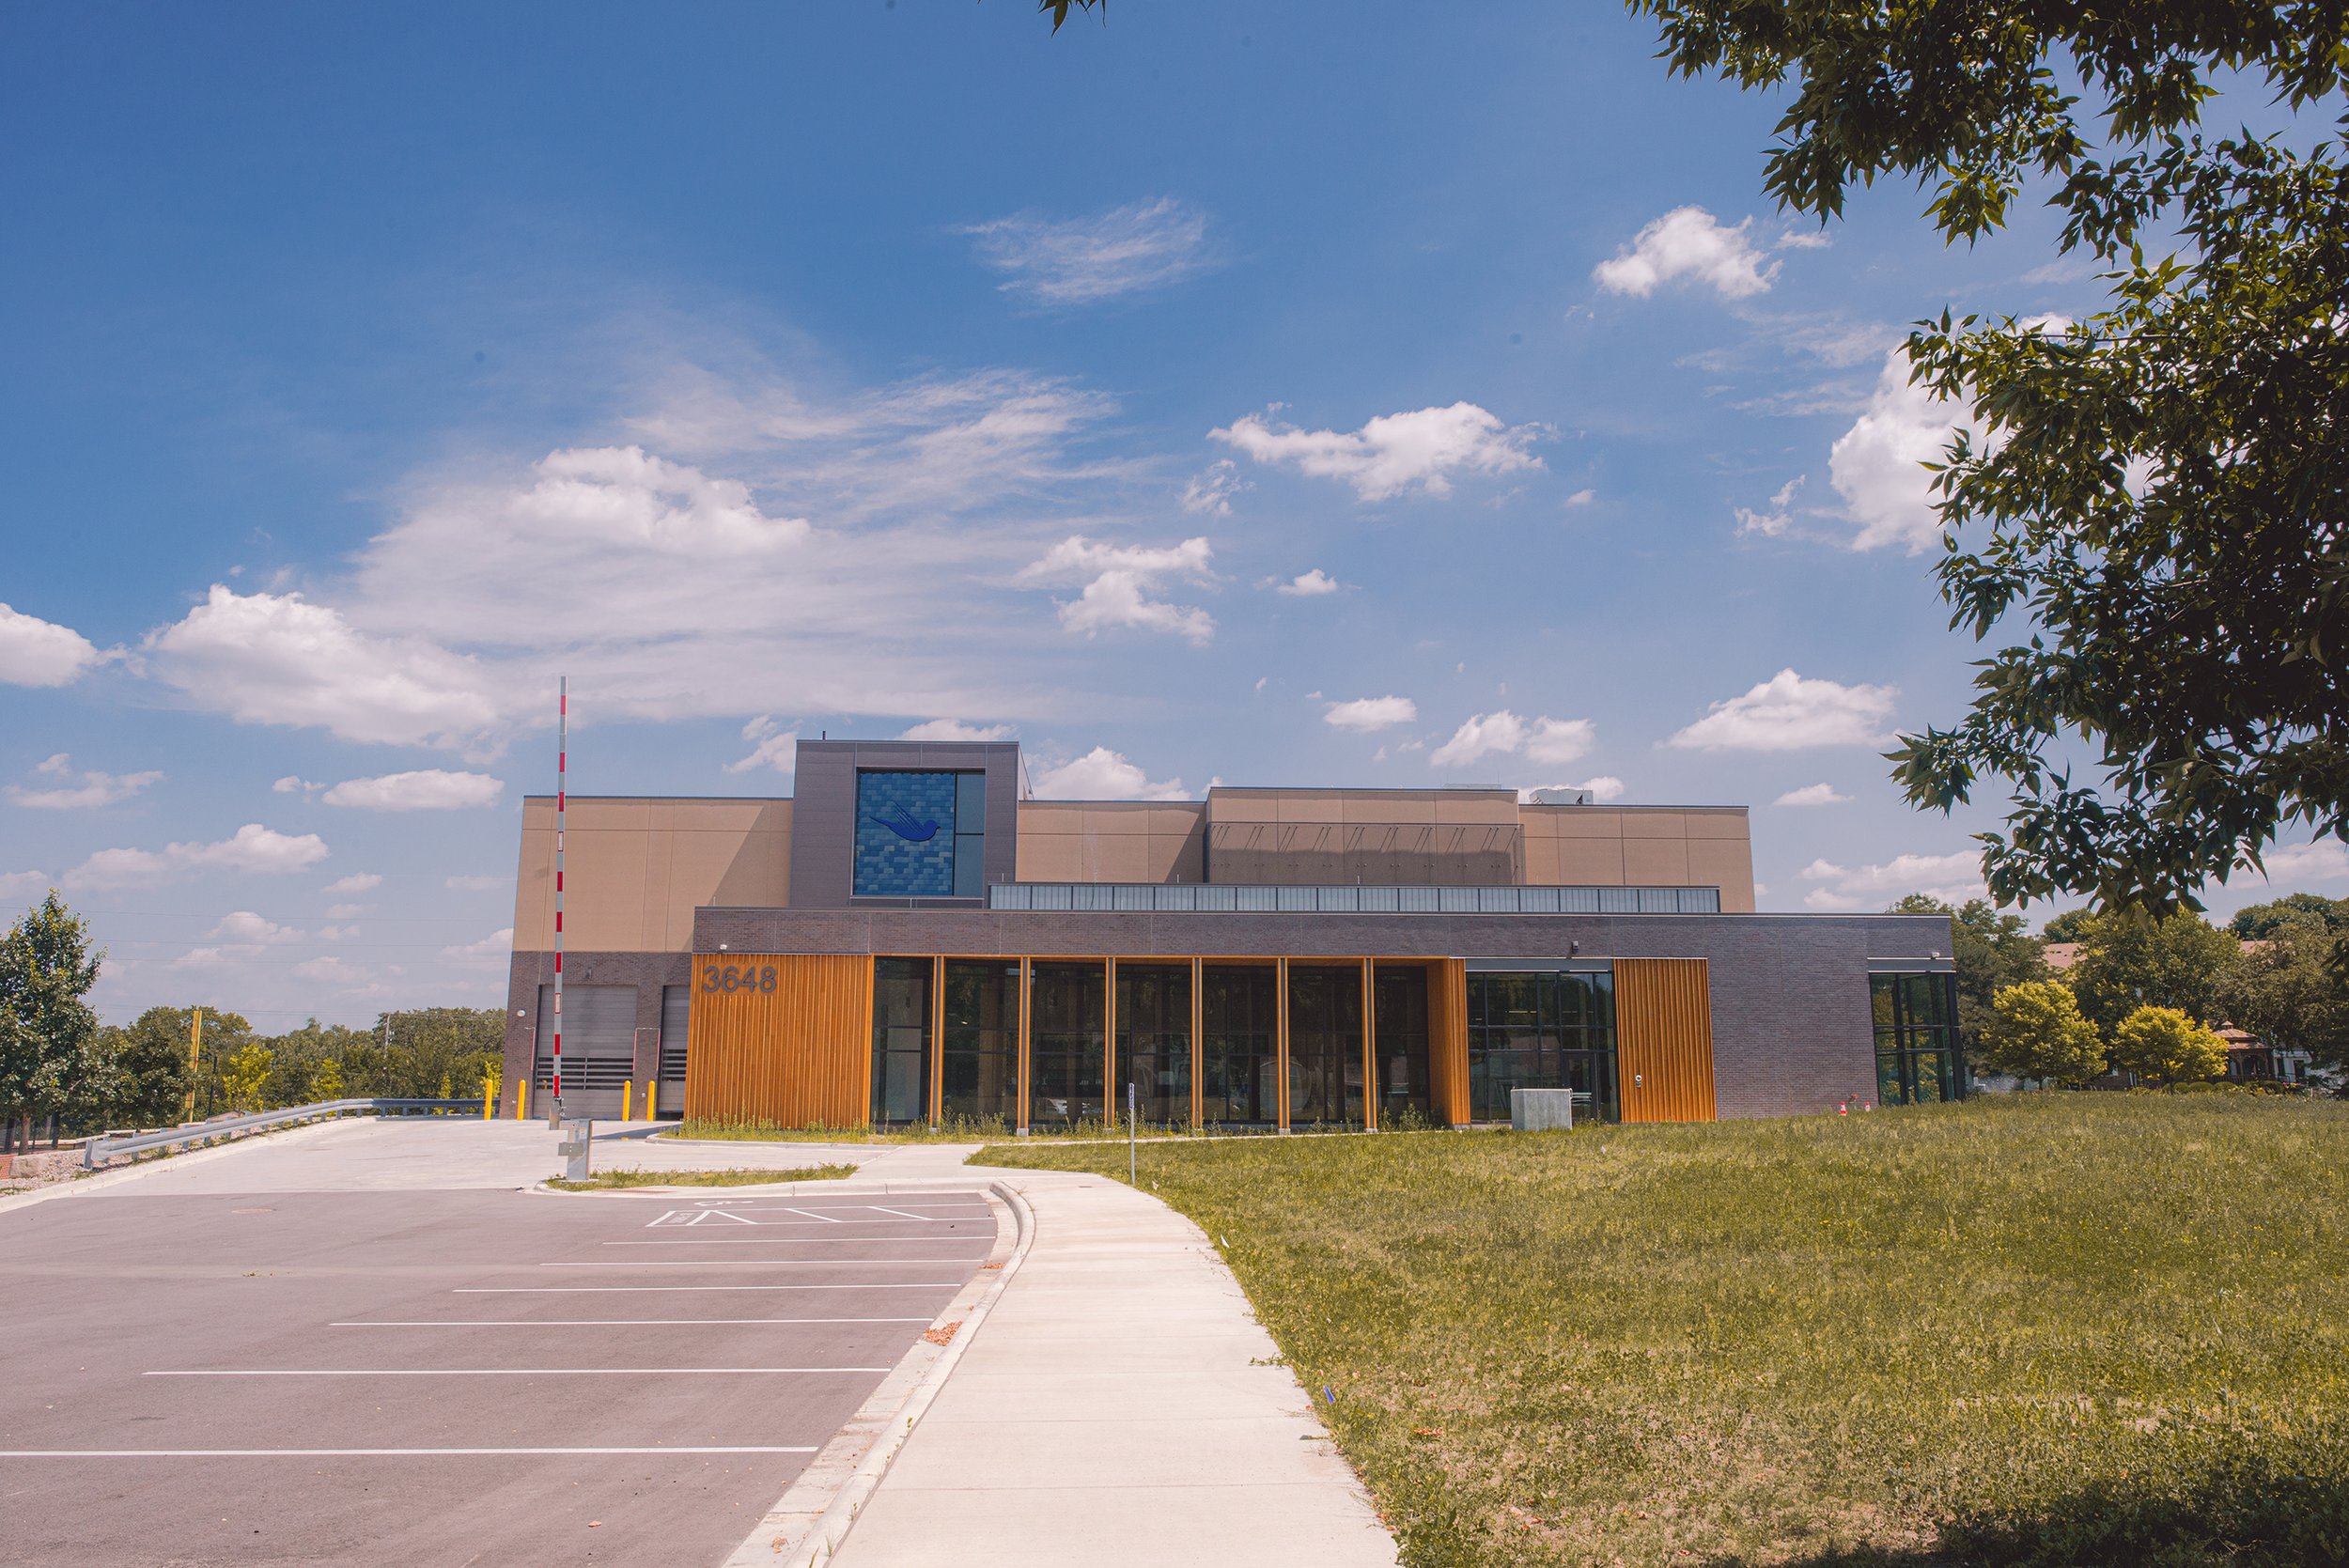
(120, 1174)
(806, 1527)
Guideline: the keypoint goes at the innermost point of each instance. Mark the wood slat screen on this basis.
(1447, 1040)
(1664, 1039)
(797, 1054)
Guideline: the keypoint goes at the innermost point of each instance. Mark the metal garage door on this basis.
(599, 1045)
(675, 1001)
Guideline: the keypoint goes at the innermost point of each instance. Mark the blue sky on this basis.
(1381, 396)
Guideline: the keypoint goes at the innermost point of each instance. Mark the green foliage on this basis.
(2036, 1031)
(2065, 1330)
(734, 1176)
(50, 1059)
(2255, 921)
(2069, 926)
(151, 1055)
(2292, 990)
(245, 1077)
(1993, 951)
(326, 1080)
(2129, 960)
(2152, 493)
(2162, 1044)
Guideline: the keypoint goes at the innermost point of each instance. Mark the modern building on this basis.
(911, 940)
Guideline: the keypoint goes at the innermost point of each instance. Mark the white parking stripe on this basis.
(591, 1321)
(757, 1262)
(786, 1241)
(487, 1371)
(899, 1213)
(361, 1453)
(605, 1290)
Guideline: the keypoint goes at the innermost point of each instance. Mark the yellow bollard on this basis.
(489, 1099)
(522, 1099)
(627, 1097)
(652, 1106)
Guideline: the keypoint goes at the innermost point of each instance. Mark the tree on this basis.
(2153, 491)
(2255, 921)
(246, 1076)
(151, 1053)
(2291, 991)
(2129, 960)
(326, 1084)
(1993, 951)
(2162, 1044)
(2069, 926)
(2036, 1031)
(50, 1061)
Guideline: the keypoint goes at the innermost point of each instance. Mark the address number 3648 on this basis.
(738, 977)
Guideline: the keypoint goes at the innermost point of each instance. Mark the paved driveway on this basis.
(440, 1375)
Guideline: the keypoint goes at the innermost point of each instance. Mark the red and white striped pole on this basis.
(562, 764)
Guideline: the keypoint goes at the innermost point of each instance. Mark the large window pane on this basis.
(901, 1041)
(1237, 1049)
(1541, 1030)
(1325, 1045)
(1154, 1041)
(1067, 1006)
(979, 1079)
(1401, 1056)
(1918, 1060)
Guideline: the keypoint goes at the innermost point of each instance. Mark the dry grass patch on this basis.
(606, 1181)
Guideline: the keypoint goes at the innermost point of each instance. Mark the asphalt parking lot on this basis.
(444, 1376)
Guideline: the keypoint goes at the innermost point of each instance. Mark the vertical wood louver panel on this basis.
(797, 1055)
(1664, 1039)
(1447, 1040)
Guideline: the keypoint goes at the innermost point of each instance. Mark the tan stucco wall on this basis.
(1647, 847)
(635, 869)
(1112, 841)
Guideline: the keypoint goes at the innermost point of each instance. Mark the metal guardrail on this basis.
(99, 1150)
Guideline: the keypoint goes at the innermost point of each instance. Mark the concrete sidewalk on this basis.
(1119, 1406)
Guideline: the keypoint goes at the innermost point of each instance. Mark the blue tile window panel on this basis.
(920, 835)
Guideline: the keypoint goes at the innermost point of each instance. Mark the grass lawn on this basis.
(602, 1181)
(2043, 1330)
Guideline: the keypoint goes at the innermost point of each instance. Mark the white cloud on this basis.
(1805, 239)
(1877, 465)
(775, 747)
(34, 652)
(473, 884)
(1952, 879)
(1211, 492)
(1788, 712)
(1812, 795)
(492, 950)
(1395, 452)
(358, 881)
(425, 789)
(252, 848)
(1080, 260)
(1582, 497)
(1688, 244)
(1370, 713)
(1102, 774)
(15, 884)
(955, 729)
(1121, 579)
(275, 659)
(244, 925)
(346, 911)
(2323, 860)
(96, 788)
(294, 783)
(1778, 518)
(333, 970)
(1309, 584)
(1543, 741)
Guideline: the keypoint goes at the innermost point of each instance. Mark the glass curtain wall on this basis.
(979, 1071)
(1153, 1042)
(1067, 1005)
(1401, 1032)
(1237, 1046)
(901, 1041)
(1916, 1023)
(1325, 1045)
(1541, 1030)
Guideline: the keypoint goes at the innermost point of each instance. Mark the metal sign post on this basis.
(1133, 1169)
(562, 763)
